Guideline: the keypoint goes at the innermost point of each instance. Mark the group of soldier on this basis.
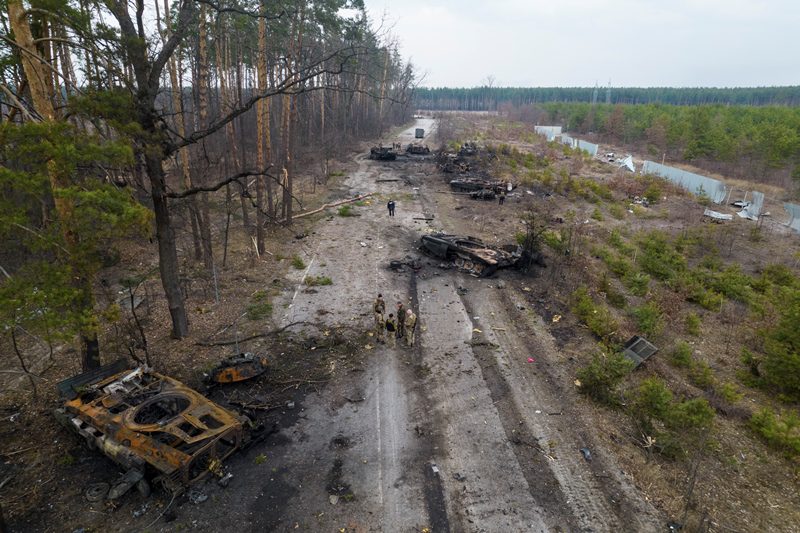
(393, 327)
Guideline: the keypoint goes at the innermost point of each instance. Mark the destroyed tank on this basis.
(418, 149)
(152, 425)
(382, 153)
(470, 254)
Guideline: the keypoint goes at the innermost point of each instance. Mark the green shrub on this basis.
(617, 211)
(733, 284)
(653, 193)
(659, 258)
(780, 275)
(651, 402)
(313, 281)
(705, 298)
(615, 239)
(554, 241)
(781, 362)
(259, 306)
(692, 323)
(346, 211)
(728, 392)
(700, 375)
(682, 355)
(648, 318)
(676, 425)
(597, 215)
(694, 414)
(596, 317)
(297, 262)
(637, 282)
(600, 379)
(782, 432)
(613, 296)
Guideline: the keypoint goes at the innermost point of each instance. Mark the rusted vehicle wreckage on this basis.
(418, 149)
(382, 153)
(471, 254)
(154, 426)
(238, 368)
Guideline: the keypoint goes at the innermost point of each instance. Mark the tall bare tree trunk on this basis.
(204, 220)
(383, 89)
(262, 124)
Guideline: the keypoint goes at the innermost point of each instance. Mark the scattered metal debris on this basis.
(716, 216)
(470, 254)
(143, 420)
(196, 496)
(638, 349)
(238, 368)
(225, 480)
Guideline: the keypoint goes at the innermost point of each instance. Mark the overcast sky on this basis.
(640, 43)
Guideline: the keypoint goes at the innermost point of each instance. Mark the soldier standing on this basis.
(501, 198)
(401, 318)
(390, 206)
(378, 309)
(391, 328)
(410, 324)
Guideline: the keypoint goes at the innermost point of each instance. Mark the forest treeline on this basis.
(758, 143)
(494, 98)
(147, 119)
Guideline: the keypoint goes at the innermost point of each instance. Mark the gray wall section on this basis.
(694, 183)
(753, 210)
(586, 146)
(548, 131)
(569, 141)
(794, 216)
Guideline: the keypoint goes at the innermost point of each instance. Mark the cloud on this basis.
(580, 42)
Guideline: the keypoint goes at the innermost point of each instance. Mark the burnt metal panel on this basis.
(638, 349)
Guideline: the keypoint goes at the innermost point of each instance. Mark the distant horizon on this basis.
(604, 87)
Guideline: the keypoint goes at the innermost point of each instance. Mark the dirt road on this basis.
(460, 433)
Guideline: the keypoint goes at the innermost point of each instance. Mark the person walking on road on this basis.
(410, 323)
(378, 309)
(390, 206)
(401, 318)
(391, 328)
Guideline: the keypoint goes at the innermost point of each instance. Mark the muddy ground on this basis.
(478, 427)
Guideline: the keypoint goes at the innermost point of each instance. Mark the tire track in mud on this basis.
(433, 489)
(589, 494)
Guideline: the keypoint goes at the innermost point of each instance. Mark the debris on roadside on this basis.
(470, 254)
(382, 153)
(197, 496)
(145, 421)
(240, 367)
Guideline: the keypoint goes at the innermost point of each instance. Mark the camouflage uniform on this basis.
(401, 318)
(391, 328)
(378, 309)
(410, 324)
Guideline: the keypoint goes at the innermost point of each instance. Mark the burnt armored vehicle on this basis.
(470, 254)
(382, 153)
(418, 149)
(154, 426)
